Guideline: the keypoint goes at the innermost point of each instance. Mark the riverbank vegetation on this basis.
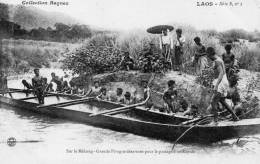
(20, 56)
(102, 50)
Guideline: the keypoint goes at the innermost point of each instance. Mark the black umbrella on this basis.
(158, 29)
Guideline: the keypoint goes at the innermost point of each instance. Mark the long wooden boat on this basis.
(138, 120)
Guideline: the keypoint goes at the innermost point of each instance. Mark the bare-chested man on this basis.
(200, 59)
(221, 85)
(38, 84)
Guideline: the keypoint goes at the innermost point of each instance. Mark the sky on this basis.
(132, 14)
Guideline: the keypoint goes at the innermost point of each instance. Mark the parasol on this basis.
(158, 29)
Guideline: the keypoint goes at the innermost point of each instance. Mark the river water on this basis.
(43, 139)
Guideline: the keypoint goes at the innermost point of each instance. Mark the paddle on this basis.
(243, 114)
(121, 111)
(186, 131)
(10, 91)
(200, 118)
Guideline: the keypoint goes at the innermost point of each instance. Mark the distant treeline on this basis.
(20, 56)
(233, 35)
(60, 33)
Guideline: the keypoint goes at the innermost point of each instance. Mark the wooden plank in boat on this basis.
(123, 108)
(34, 97)
(67, 103)
(14, 91)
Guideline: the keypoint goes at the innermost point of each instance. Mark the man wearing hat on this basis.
(38, 84)
(220, 83)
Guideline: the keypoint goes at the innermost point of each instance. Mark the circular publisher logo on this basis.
(11, 141)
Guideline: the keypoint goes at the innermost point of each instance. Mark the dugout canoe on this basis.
(139, 121)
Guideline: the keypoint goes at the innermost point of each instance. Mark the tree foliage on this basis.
(99, 55)
(61, 33)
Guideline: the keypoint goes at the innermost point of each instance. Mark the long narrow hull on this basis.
(198, 134)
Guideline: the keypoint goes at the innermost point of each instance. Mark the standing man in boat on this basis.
(147, 93)
(169, 96)
(220, 83)
(38, 84)
(178, 50)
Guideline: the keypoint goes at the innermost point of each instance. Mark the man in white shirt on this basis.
(166, 44)
(178, 50)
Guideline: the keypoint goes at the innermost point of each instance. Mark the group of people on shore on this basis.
(171, 56)
(152, 61)
(173, 52)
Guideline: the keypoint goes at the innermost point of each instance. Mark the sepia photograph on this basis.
(129, 81)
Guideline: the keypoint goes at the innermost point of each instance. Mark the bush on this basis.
(99, 55)
(250, 60)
